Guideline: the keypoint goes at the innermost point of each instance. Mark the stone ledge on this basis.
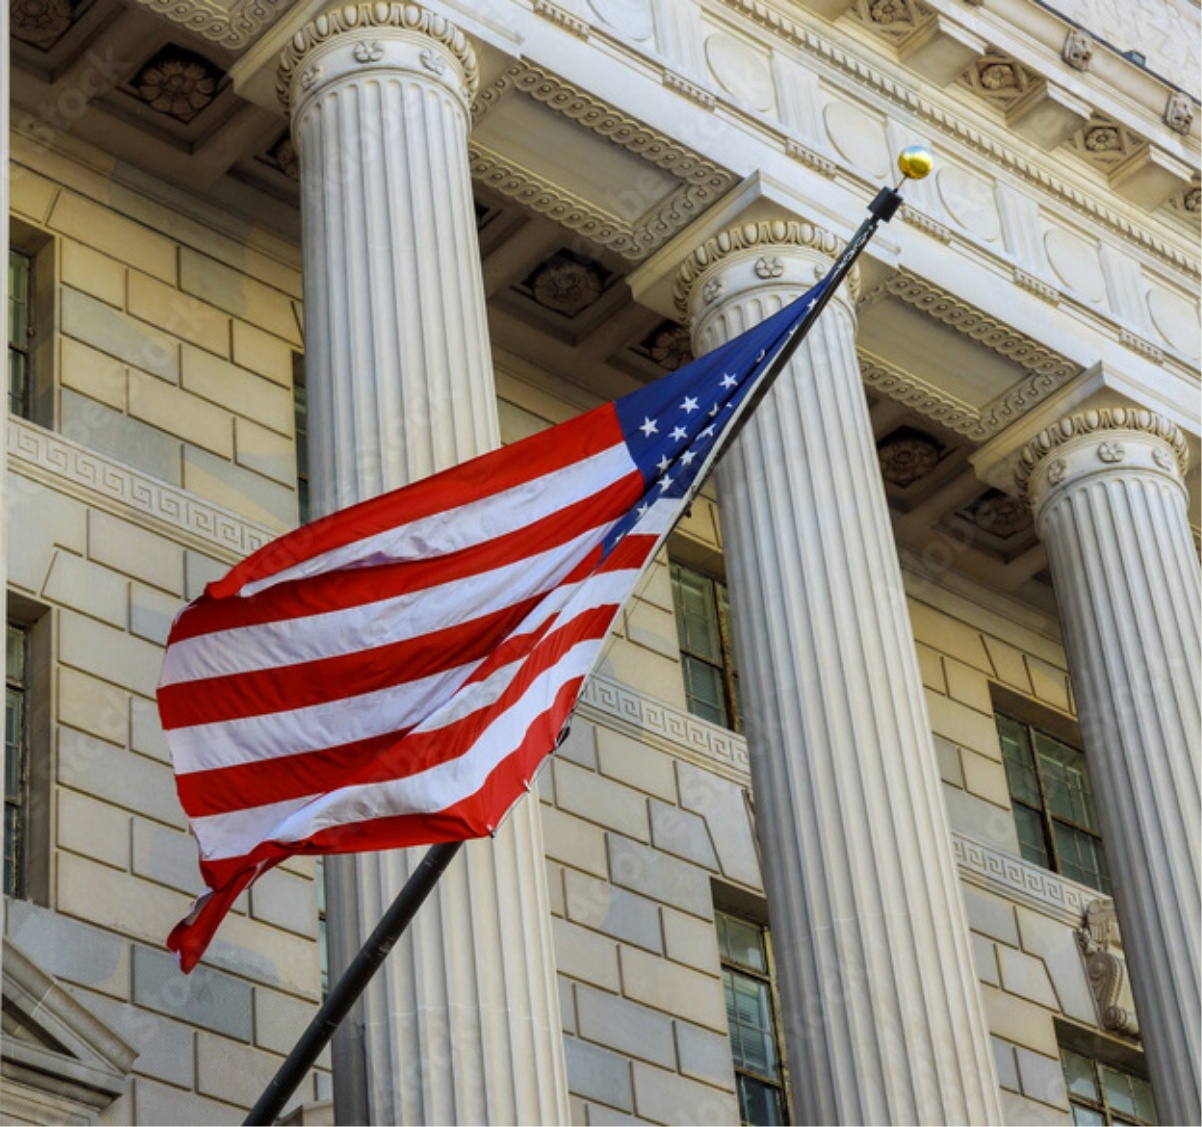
(44, 456)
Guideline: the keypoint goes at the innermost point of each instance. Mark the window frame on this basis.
(38, 247)
(300, 436)
(1102, 1052)
(734, 906)
(35, 619)
(1018, 710)
(728, 669)
(16, 687)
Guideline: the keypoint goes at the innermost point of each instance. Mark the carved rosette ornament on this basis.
(1122, 439)
(391, 35)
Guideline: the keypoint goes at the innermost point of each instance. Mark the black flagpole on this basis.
(915, 163)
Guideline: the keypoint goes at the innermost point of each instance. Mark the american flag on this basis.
(393, 674)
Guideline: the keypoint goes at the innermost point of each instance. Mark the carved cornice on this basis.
(1095, 421)
(234, 27)
(359, 17)
(948, 310)
(626, 132)
(924, 398)
(701, 181)
(915, 105)
(96, 480)
(749, 237)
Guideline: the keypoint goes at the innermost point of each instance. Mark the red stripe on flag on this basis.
(240, 695)
(480, 478)
(341, 590)
(465, 819)
(396, 755)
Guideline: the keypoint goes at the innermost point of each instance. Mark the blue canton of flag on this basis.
(673, 425)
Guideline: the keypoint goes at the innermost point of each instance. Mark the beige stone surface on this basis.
(602, 801)
(673, 988)
(985, 777)
(574, 842)
(178, 314)
(262, 353)
(125, 547)
(92, 272)
(930, 664)
(968, 686)
(1019, 1021)
(635, 764)
(195, 420)
(93, 829)
(949, 636)
(963, 725)
(92, 373)
(584, 954)
(103, 229)
(236, 389)
(88, 588)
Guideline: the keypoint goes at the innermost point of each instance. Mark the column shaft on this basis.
(462, 1022)
(882, 1012)
(1110, 503)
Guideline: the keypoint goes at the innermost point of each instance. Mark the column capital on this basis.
(757, 247)
(378, 36)
(1118, 439)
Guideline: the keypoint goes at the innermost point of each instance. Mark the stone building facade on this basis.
(267, 259)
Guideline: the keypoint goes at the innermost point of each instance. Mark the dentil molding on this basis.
(701, 182)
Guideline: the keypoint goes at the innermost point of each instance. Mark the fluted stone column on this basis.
(882, 1015)
(462, 1023)
(1107, 489)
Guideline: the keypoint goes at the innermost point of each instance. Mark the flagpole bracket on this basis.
(885, 206)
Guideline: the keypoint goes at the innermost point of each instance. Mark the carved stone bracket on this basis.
(1105, 968)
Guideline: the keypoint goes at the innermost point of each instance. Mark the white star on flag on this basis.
(689, 405)
(679, 434)
(648, 427)
(729, 380)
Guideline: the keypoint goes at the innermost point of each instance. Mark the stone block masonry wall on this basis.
(168, 457)
(1022, 917)
(173, 342)
(634, 837)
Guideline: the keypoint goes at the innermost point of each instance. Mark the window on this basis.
(751, 1014)
(20, 333)
(703, 625)
(16, 759)
(1053, 803)
(300, 414)
(1099, 1092)
(323, 951)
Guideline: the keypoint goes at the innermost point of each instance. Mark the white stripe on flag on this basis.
(275, 735)
(236, 834)
(473, 523)
(356, 629)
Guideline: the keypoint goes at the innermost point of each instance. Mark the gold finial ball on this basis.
(915, 161)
